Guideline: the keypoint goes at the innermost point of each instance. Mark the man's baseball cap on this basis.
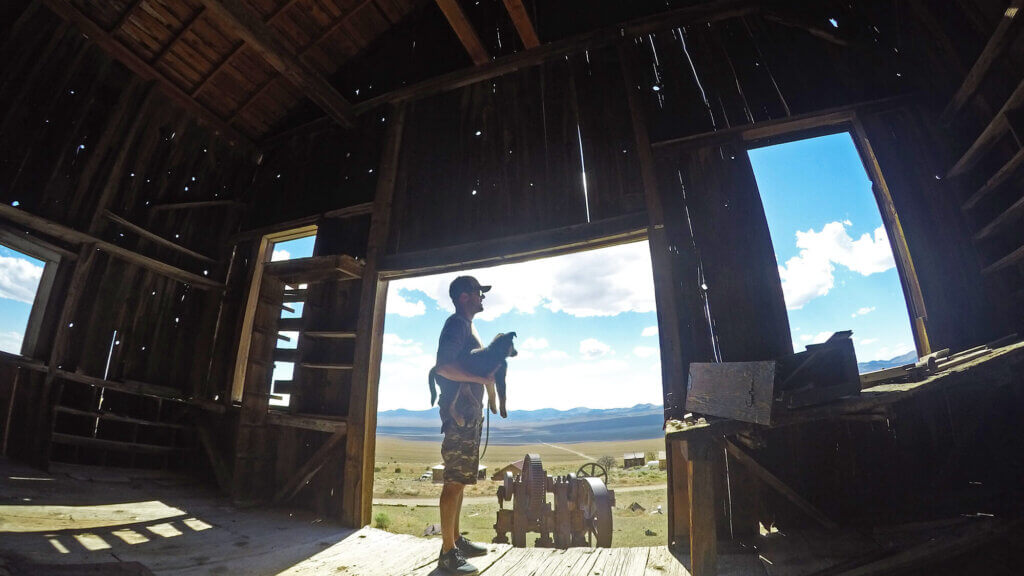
(465, 284)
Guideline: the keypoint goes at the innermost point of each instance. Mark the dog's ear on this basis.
(512, 334)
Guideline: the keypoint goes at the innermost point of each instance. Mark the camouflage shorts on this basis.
(460, 452)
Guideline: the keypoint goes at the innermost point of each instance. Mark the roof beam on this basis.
(524, 26)
(714, 12)
(122, 53)
(464, 30)
(244, 22)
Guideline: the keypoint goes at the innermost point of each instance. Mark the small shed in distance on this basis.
(631, 459)
(515, 468)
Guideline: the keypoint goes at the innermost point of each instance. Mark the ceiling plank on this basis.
(184, 30)
(524, 26)
(464, 30)
(126, 56)
(244, 22)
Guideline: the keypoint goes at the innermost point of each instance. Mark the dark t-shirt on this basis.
(458, 337)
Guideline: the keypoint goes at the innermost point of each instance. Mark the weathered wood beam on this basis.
(993, 131)
(194, 205)
(464, 30)
(50, 228)
(125, 16)
(1008, 216)
(349, 211)
(722, 10)
(244, 22)
(357, 492)
(1001, 38)
(221, 471)
(307, 422)
(303, 475)
(1011, 258)
(122, 53)
(524, 26)
(155, 238)
(778, 485)
(802, 22)
(598, 234)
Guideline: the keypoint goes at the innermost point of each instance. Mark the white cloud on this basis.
(602, 282)
(554, 355)
(402, 307)
(532, 343)
(19, 279)
(593, 348)
(650, 331)
(645, 351)
(862, 311)
(866, 341)
(11, 341)
(816, 339)
(396, 346)
(279, 255)
(847, 222)
(810, 274)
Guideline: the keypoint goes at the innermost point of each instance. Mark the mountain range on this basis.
(638, 422)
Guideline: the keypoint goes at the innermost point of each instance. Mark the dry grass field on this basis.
(399, 464)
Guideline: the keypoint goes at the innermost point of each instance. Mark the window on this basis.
(835, 260)
(27, 270)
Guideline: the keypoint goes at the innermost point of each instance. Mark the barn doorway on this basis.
(585, 388)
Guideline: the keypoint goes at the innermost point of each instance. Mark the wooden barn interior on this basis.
(152, 152)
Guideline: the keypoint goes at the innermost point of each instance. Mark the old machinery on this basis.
(580, 514)
(593, 469)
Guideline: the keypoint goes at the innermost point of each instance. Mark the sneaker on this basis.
(470, 549)
(453, 562)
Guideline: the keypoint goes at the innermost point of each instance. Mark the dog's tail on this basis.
(431, 382)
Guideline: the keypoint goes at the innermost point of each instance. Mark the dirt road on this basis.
(485, 499)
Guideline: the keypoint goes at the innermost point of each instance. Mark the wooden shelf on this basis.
(115, 418)
(308, 421)
(1011, 258)
(133, 447)
(996, 180)
(325, 366)
(290, 324)
(334, 334)
(316, 269)
(995, 129)
(1000, 222)
(286, 355)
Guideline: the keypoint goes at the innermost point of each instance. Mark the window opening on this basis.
(835, 260)
(19, 284)
(291, 308)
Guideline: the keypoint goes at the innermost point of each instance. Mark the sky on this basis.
(19, 279)
(834, 257)
(586, 330)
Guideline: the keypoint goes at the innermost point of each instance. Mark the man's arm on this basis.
(453, 371)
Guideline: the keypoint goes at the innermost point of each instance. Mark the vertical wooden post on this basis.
(357, 494)
(675, 294)
(703, 529)
(678, 496)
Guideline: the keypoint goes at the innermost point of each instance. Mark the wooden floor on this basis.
(130, 522)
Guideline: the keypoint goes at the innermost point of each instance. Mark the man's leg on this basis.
(450, 509)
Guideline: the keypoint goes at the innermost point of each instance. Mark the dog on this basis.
(481, 362)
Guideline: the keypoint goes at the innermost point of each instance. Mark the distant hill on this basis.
(639, 422)
(908, 358)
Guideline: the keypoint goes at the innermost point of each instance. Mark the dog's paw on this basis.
(504, 414)
(492, 407)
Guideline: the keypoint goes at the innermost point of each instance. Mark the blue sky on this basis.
(834, 256)
(19, 278)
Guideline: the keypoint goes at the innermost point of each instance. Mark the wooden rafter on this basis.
(244, 22)
(126, 56)
(155, 238)
(1000, 39)
(464, 30)
(332, 447)
(123, 18)
(193, 205)
(524, 26)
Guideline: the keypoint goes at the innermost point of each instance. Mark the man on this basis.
(460, 449)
